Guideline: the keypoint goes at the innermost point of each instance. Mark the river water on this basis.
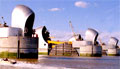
(50, 62)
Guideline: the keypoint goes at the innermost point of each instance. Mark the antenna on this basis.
(5, 24)
(3, 19)
(72, 29)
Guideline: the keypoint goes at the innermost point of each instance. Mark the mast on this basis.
(74, 35)
(3, 19)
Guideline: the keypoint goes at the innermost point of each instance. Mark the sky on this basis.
(101, 15)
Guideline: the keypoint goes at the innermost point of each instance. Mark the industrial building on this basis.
(20, 40)
(16, 41)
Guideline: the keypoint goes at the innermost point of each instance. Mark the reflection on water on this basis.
(105, 62)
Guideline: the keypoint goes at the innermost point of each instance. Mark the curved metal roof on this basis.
(43, 34)
(23, 17)
(91, 35)
(113, 41)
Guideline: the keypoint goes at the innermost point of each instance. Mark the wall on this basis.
(22, 47)
(43, 45)
(10, 31)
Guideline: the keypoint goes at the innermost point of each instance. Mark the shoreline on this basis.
(52, 62)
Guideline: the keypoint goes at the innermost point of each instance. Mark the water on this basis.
(105, 62)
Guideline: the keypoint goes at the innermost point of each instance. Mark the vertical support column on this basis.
(56, 50)
(63, 48)
(18, 48)
(92, 50)
(71, 48)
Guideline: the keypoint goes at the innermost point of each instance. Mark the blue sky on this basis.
(102, 15)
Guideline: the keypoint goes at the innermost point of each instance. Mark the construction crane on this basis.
(61, 42)
(74, 35)
(5, 24)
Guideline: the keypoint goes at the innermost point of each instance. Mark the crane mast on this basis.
(74, 35)
(3, 19)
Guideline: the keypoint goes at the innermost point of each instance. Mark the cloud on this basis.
(81, 4)
(54, 9)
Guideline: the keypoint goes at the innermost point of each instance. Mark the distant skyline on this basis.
(102, 15)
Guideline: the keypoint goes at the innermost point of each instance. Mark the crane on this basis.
(5, 24)
(3, 19)
(74, 35)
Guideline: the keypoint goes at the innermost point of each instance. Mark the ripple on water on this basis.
(104, 62)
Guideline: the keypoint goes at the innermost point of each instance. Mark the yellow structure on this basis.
(58, 42)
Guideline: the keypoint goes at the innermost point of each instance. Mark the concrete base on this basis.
(118, 51)
(29, 55)
(43, 51)
(91, 55)
(80, 43)
(91, 50)
(15, 55)
(22, 47)
(112, 55)
(113, 52)
(7, 54)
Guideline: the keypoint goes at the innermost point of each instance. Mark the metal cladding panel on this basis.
(113, 41)
(43, 35)
(111, 47)
(75, 38)
(10, 31)
(81, 43)
(91, 50)
(112, 51)
(91, 35)
(28, 43)
(20, 16)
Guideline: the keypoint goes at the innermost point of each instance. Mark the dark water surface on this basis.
(47, 62)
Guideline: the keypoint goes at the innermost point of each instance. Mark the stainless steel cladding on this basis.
(113, 41)
(43, 35)
(23, 17)
(91, 35)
